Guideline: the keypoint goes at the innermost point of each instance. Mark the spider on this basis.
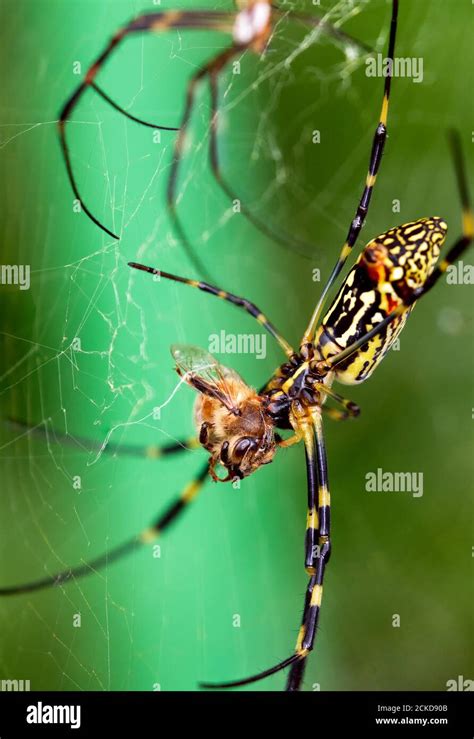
(239, 426)
(251, 26)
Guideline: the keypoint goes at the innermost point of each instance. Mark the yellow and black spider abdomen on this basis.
(388, 270)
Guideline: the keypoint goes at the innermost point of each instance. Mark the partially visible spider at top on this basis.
(251, 27)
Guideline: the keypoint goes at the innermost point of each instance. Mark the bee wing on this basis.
(201, 370)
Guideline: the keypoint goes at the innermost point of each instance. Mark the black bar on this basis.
(142, 714)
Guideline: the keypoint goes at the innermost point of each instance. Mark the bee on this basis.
(230, 417)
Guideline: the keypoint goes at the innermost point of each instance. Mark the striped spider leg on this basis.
(251, 26)
(125, 548)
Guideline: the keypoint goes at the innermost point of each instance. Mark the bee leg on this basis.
(204, 434)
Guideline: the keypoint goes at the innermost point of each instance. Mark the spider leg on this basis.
(335, 414)
(329, 28)
(302, 247)
(350, 409)
(459, 247)
(243, 303)
(121, 550)
(211, 67)
(255, 678)
(152, 451)
(317, 545)
(316, 556)
(125, 113)
(151, 22)
(357, 223)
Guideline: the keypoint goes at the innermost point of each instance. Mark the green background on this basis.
(169, 620)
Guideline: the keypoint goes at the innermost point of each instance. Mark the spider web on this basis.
(86, 350)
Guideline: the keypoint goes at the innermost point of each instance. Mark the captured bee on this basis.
(231, 421)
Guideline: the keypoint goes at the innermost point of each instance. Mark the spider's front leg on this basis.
(118, 552)
(357, 223)
(317, 541)
(211, 69)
